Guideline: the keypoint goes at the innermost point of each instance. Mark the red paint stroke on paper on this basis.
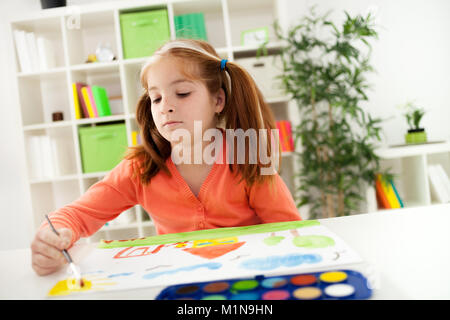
(132, 252)
(212, 252)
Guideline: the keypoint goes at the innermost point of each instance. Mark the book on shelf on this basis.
(135, 138)
(79, 97)
(90, 101)
(35, 53)
(191, 26)
(22, 51)
(101, 101)
(76, 102)
(43, 157)
(32, 49)
(387, 194)
(444, 178)
(439, 182)
(285, 132)
(85, 97)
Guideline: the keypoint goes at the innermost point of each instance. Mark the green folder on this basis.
(101, 101)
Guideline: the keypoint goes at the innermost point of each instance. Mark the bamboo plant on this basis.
(324, 70)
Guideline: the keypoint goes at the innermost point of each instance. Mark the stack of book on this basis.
(285, 132)
(90, 101)
(387, 194)
(440, 183)
(35, 53)
(190, 26)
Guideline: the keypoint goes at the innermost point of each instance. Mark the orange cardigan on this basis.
(172, 206)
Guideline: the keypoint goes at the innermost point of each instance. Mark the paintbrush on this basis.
(68, 257)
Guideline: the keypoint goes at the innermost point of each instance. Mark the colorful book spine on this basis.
(397, 194)
(392, 198)
(92, 101)
(101, 101)
(285, 132)
(381, 196)
(85, 94)
(290, 138)
(134, 141)
(79, 86)
(387, 194)
(76, 102)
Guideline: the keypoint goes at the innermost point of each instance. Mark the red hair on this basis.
(244, 108)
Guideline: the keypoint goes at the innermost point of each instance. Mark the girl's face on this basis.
(180, 100)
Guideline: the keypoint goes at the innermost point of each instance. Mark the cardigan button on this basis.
(201, 225)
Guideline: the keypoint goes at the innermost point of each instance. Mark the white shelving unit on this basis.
(41, 93)
(410, 164)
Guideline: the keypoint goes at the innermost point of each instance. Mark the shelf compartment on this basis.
(213, 15)
(49, 29)
(106, 76)
(259, 69)
(251, 14)
(41, 95)
(410, 178)
(51, 154)
(94, 28)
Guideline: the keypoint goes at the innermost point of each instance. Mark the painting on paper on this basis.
(226, 253)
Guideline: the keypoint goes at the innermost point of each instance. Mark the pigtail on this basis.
(246, 109)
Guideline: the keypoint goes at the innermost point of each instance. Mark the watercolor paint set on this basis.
(338, 284)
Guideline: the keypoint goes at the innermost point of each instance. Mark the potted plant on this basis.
(324, 69)
(414, 115)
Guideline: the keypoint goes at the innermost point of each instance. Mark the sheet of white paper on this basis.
(306, 249)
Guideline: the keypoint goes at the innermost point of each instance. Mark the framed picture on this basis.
(255, 36)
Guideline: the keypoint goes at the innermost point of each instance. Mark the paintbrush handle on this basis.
(67, 256)
(64, 251)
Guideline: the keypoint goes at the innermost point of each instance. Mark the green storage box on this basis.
(143, 32)
(102, 147)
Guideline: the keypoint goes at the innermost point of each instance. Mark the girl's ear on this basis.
(219, 100)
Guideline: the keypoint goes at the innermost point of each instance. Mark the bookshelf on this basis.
(410, 166)
(74, 32)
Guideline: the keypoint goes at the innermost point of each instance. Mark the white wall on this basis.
(15, 207)
(412, 59)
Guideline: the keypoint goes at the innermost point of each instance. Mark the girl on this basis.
(186, 85)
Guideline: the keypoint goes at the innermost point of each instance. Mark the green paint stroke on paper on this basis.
(273, 240)
(313, 242)
(209, 234)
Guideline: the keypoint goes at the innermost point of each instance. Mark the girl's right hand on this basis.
(46, 255)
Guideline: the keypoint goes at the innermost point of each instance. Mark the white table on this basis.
(406, 254)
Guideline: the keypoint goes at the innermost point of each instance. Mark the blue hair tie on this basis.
(223, 64)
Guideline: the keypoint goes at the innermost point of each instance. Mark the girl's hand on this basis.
(46, 255)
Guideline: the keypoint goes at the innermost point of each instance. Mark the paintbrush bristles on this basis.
(68, 257)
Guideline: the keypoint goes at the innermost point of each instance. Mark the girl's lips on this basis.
(171, 124)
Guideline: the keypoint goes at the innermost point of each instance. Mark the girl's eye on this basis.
(156, 100)
(183, 94)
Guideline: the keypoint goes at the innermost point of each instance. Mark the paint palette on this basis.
(339, 284)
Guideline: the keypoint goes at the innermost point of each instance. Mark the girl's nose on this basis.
(166, 106)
